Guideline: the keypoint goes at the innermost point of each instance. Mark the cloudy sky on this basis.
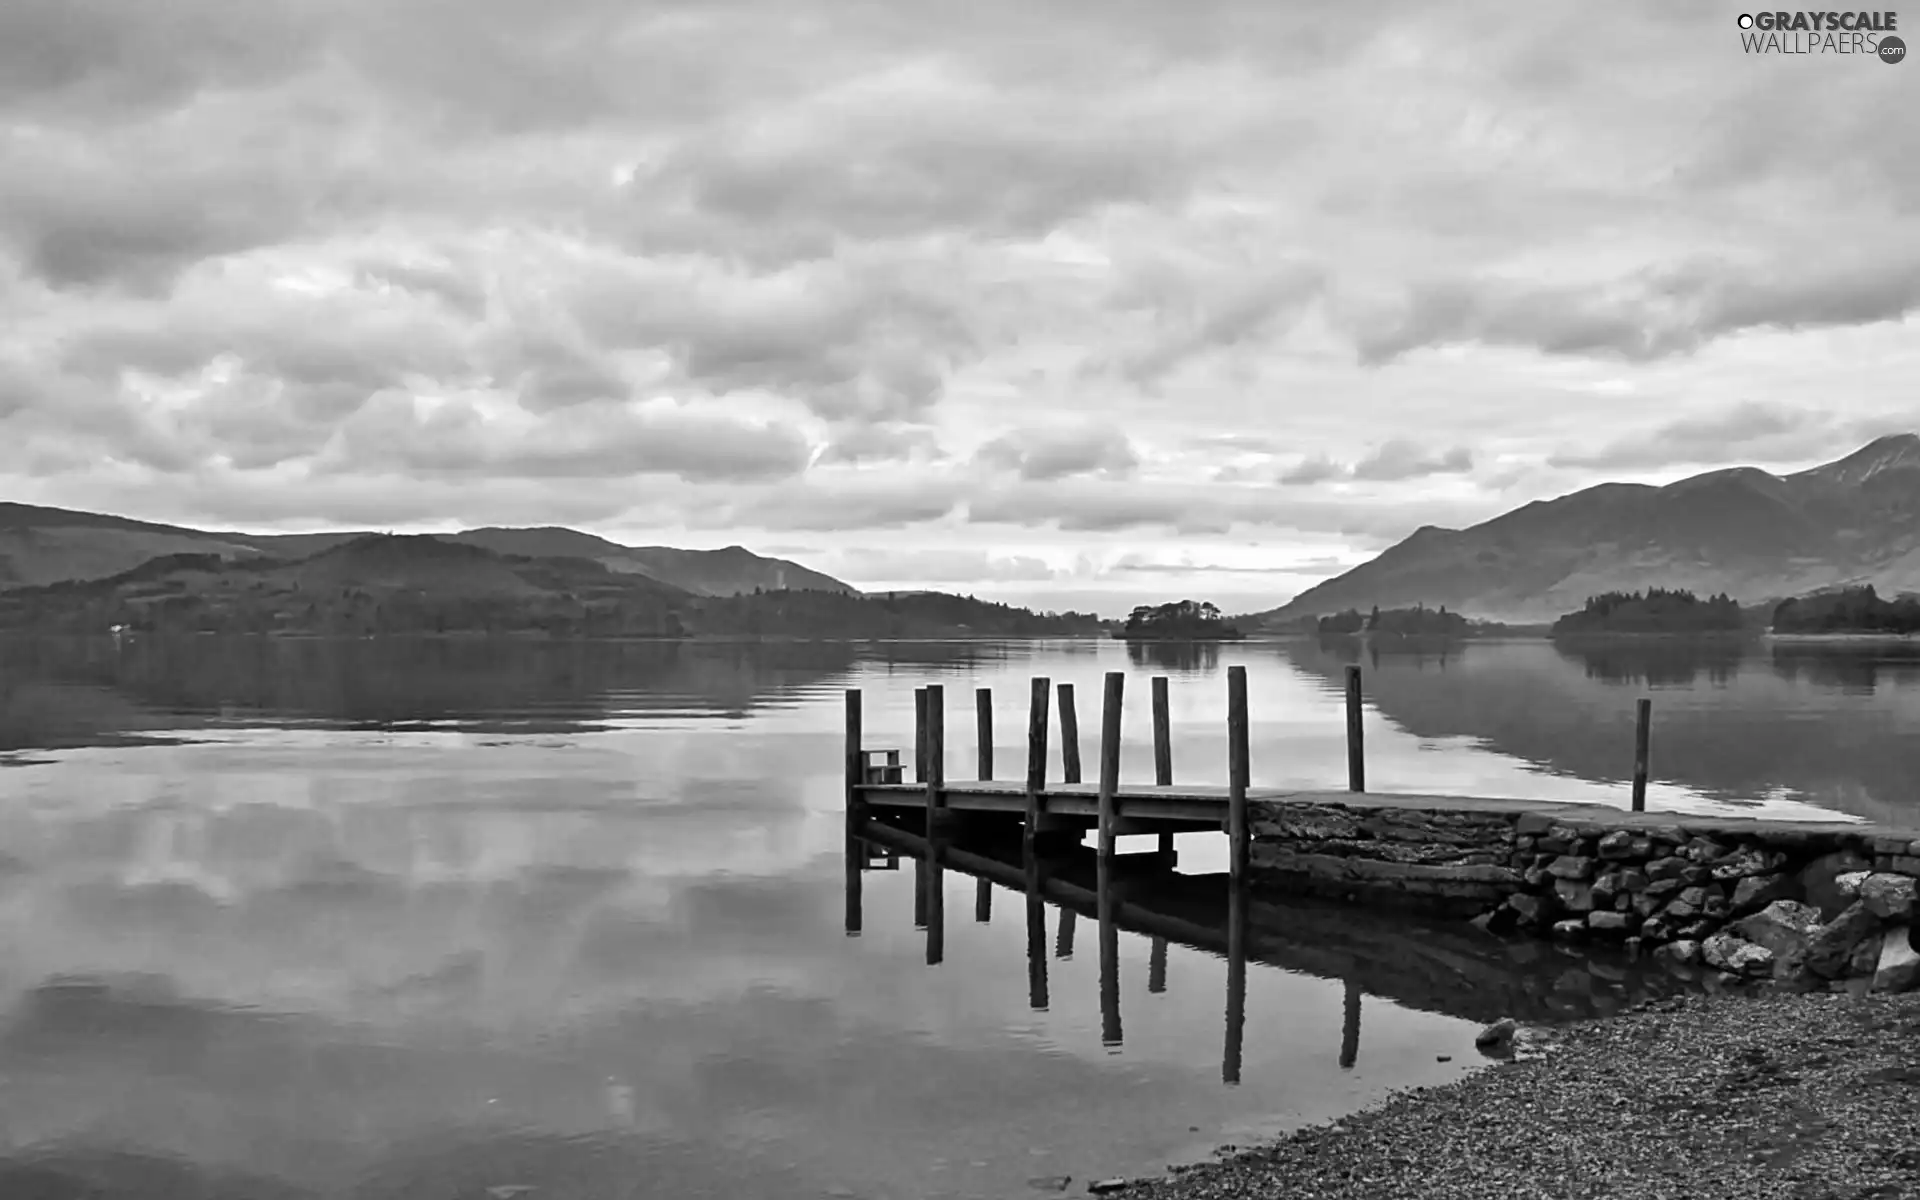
(1064, 302)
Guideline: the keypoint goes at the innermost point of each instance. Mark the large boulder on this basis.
(1731, 953)
(1832, 945)
(1889, 897)
(1785, 927)
(1755, 892)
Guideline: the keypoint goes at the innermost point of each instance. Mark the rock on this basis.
(1697, 876)
(1645, 906)
(1554, 844)
(1899, 967)
(1103, 1186)
(1688, 904)
(1523, 844)
(1699, 930)
(1819, 881)
(1623, 903)
(1633, 947)
(1684, 952)
(1905, 864)
(1670, 867)
(1571, 866)
(1757, 891)
(1656, 930)
(1785, 927)
(1532, 824)
(1605, 886)
(1574, 897)
(1535, 878)
(1531, 911)
(1865, 958)
(1495, 920)
(1832, 944)
(1632, 879)
(1737, 955)
(1702, 850)
(1848, 885)
(1569, 930)
(1500, 1033)
(1889, 897)
(1660, 889)
(1616, 845)
(1748, 860)
(1611, 923)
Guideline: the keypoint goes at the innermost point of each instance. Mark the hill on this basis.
(40, 546)
(411, 584)
(1742, 531)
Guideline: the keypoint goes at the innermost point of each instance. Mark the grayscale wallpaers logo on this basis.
(1863, 33)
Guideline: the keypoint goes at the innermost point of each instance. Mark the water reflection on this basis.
(1187, 658)
(1435, 966)
(1664, 662)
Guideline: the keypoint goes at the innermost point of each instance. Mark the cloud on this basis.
(1400, 459)
(1057, 453)
(939, 566)
(1317, 468)
(882, 443)
(1745, 428)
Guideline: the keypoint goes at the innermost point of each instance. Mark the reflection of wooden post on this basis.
(983, 717)
(1236, 980)
(1356, 751)
(1162, 748)
(1109, 978)
(1069, 736)
(1063, 940)
(1157, 967)
(1350, 1027)
(1036, 939)
(919, 893)
(1642, 735)
(856, 850)
(982, 901)
(1237, 772)
(936, 775)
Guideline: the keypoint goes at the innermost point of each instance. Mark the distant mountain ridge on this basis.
(40, 546)
(1741, 530)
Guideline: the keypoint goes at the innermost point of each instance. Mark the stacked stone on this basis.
(1811, 910)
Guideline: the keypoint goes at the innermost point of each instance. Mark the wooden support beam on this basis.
(920, 735)
(1069, 736)
(1356, 750)
(856, 851)
(934, 707)
(1038, 695)
(1162, 746)
(1642, 736)
(1237, 771)
(983, 721)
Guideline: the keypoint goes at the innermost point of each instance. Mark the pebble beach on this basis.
(1812, 1096)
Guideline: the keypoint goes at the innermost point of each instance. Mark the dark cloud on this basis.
(1057, 453)
(882, 443)
(1316, 468)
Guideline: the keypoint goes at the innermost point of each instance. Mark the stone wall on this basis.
(1815, 905)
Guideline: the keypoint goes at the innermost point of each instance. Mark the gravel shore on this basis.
(1815, 1097)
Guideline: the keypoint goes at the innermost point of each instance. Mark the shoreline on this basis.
(1736, 1094)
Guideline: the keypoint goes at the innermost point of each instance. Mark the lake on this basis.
(471, 920)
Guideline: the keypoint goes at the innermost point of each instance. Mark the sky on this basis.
(1071, 304)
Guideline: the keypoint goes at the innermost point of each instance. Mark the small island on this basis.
(1418, 621)
(1181, 621)
(1656, 611)
(1852, 610)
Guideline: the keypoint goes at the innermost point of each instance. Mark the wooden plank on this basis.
(1237, 771)
(856, 851)
(983, 722)
(1356, 751)
(1069, 736)
(1642, 735)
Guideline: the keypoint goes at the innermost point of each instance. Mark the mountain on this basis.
(1743, 531)
(41, 546)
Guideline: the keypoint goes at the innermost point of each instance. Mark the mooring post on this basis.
(936, 748)
(1356, 752)
(919, 735)
(1238, 770)
(1350, 1026)
(856, 853)
(1642, 735)
(983, 724)
(1109, 766)
(1162, 749)
(1069, 737)
(1036, 764)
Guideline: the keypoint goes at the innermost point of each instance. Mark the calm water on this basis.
(444, 920)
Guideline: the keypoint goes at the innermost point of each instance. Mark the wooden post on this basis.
(982, 901)
(983, 717)
(1356, 751)
(1109, 766)
(1162, 749)
(1238, 770)
(1036, 760)
(1642, 735)
(1157, 967)
(920, 735)
(1063, 938)
(1069, 737)
(935, 709)
(856, 850)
